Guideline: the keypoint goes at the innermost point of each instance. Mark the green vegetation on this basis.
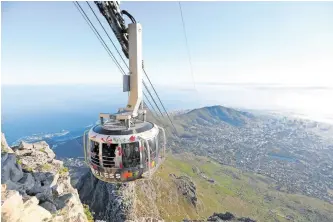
(42, 150)
(28, 169)
(19, 161)
(63, 171)
(4, 149)
(88, 213)
(244, 194)
(46, 167)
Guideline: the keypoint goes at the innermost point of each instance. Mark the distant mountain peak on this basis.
(217, 112)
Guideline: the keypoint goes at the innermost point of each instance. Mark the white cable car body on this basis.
(124, 146)
(117, 154)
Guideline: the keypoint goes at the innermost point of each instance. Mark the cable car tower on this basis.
(124, 146)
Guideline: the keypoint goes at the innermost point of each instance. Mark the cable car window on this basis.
(131, 154)
(108, 154)
(94, 152)
(152, 147)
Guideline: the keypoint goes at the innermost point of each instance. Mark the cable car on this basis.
(116, 153)
(124, 146)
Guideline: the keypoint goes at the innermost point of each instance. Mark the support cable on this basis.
(188, 53)
(84, 15)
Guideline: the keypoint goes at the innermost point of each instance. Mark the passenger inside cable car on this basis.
(108, 154)
(131, 155)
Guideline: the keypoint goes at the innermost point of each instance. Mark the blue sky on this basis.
(259, 42)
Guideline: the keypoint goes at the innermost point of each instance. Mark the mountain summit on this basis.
(211, 114)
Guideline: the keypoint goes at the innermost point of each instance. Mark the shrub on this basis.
(42, 150)
(18, 161)
(28, 169)
(46, 166)
(88, 213)
(63, 170)
(4, 149)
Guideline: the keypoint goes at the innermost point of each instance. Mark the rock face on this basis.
(14, 209)
(197, 171)
(228, 217)
(108, 202)
(186, 187)
(37, 186)
(4, 145)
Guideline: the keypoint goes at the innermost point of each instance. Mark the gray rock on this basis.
(38, 186)
(105, 199)
(16, 173)
(5, 172)
(49, 206)
(44, 179)
(186, 187)
(196, 170)
(45, 195)
(27, 181)
(10, 170)
(13, 186)
(37, 155)
(61, 201)
(4, 157)
(25, 145)
(221, 217)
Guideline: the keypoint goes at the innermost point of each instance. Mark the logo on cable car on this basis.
(118, 175)
(107, 175)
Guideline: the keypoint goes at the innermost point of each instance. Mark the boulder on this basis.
(11, 201)
(27, 181)
(25, 145)
(13, 209)
(196, 170)
(29, 200)
(63, 200)
(13, 186)
(228, 217)
(246, 219)
(45, 179)
(10, 170)
(58, 189)
(49, 206)
(44, 195)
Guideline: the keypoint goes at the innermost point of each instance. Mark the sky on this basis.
(240, 42)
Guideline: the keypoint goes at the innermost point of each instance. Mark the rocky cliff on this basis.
(109, 202)
(36, 186)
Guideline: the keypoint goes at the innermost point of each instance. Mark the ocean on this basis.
(44, 111)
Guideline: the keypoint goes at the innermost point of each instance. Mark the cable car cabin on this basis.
(117, 154)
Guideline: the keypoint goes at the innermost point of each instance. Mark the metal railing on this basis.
(85, 146)
(164, 140)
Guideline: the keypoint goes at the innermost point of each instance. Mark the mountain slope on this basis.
(193, 187)
(221, 188)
